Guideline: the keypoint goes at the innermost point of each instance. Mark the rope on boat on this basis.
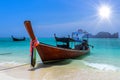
(15, 66)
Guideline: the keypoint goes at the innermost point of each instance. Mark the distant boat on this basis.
(50, 53)
(18, 39)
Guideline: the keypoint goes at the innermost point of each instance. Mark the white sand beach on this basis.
(70, 71)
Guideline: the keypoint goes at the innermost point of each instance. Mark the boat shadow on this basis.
(58, 63)
(50, 64)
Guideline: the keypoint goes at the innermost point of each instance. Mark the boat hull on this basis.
(51, 53)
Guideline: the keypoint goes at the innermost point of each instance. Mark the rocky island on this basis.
(104, 35)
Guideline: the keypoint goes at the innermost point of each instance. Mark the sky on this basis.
(57, 16)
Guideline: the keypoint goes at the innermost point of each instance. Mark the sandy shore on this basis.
(59, 71)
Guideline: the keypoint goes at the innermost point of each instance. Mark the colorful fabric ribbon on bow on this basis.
(33, 45)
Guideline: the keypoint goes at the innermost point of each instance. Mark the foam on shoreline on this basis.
(10, 63)
(101, 66)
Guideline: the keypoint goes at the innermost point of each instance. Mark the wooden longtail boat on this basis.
(51, 53)
(18, 39)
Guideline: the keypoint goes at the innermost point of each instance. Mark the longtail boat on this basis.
(18, 39)
(49, 53)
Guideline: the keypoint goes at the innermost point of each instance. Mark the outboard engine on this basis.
(82, 46)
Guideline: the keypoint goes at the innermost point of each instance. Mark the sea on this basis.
(105, 55)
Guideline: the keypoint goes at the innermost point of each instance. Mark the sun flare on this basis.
(104, 12)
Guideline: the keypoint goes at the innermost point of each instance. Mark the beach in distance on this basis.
(101, 63)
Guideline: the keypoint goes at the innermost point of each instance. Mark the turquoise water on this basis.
(106, 52)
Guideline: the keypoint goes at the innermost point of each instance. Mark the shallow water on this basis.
(105, 54)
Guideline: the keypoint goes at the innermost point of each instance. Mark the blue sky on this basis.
(56, 16)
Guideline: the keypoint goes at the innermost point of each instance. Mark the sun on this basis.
(104, 12)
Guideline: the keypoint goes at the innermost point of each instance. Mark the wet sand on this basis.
(66, 70)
